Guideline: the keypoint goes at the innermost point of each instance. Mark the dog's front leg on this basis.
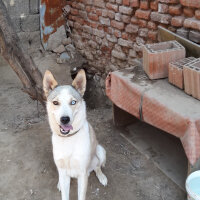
(64, 182)
(82, 186)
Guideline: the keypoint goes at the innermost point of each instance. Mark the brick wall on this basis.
(110, 33)
(26, 20)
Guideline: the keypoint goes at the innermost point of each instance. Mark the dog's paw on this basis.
(103, 179)
(58, 186)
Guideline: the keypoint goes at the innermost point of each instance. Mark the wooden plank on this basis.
(192, 49)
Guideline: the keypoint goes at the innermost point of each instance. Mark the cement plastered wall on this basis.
(25, 18)
(110, 33)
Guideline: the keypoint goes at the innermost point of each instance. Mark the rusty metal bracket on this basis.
(51, 18)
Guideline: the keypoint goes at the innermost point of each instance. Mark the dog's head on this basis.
(65, 105)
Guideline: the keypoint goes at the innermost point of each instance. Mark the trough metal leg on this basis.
(193, 168)
(121, 117)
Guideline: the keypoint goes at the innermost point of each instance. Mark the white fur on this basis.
(78, 155)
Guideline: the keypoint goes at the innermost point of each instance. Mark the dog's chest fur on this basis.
(73, 153)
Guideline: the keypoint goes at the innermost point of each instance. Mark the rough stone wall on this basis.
(110, 33)
(26, 20)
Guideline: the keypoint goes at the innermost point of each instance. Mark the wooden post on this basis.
(23, 65)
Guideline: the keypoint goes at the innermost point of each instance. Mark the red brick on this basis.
(134, 20)
(93, 17)
(125, 36)
(188, 12)
(83, 14)
(192, 23)
(88, 8)
(191, 3)
(87, 29)
(125, 43)
(191, 73)
(99, 12)
(152, 25)
(117, 25)
(163, 8)
(104, 21)
(80, 6)
(144, 4)
(100, 27)
(69, 3)
(93, 24)
(74, 11)
(119, 55)
(79, 20)
(197, 14)
(111, 38)
(176, 71)
(125, 10)
(77, 25)
(99, 33)
(169, 1)
(111, 6)
(126, 19)
(143, 32)
(142, 23)
(152, 35)
(118, 17)
(87, 2)
(177, 21)
(175, 10)
(111, 14)
(119, 2)
(126, 2)
(162, 18)
(154, 5)
(110, 30)
(134, 3)
(117, 33)
(157, 56)
(143, 14)
(130, 28)
(99, 3)
(74, 4)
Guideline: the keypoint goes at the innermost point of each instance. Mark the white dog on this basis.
(75, 148)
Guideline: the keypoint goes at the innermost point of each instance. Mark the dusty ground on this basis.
(27, 171)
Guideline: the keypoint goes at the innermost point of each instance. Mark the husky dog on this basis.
(76, 151)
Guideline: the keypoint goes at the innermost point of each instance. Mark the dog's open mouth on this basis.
(65, 129)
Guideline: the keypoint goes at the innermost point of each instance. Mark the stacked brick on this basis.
(191, 74)
(156, 58)
(167, 59)
(110, 33)
(176, 71)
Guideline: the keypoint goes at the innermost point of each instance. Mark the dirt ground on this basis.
(27, 170)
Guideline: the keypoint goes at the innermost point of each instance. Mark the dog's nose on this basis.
(65, 120)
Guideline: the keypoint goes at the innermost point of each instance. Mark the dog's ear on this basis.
(49, 82)
(79, 83)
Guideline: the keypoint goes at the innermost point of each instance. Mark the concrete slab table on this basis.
(158, 103)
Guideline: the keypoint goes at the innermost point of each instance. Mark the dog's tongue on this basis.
(67, 127)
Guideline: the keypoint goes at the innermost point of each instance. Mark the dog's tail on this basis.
(101, 154)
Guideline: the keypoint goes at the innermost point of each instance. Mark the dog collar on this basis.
(70, 134)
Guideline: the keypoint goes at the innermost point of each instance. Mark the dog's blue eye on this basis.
(73, 102)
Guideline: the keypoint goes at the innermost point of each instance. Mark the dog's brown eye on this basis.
(55, 103)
